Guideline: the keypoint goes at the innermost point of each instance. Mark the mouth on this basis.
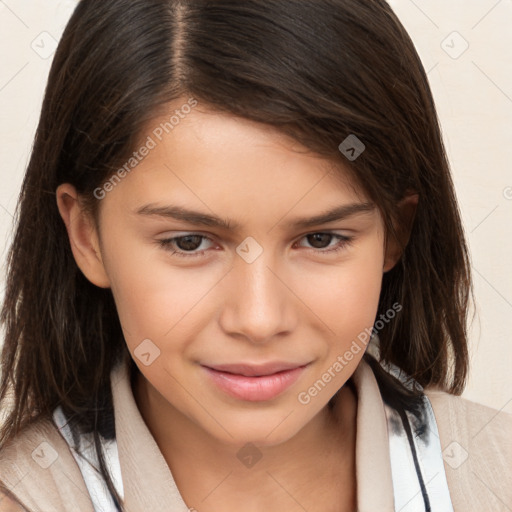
(255, 383)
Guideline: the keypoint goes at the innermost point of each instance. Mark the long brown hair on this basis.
(319, 71)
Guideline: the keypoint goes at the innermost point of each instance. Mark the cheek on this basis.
(346, 297)
(154, 300)
(347, 308)
(359, 296)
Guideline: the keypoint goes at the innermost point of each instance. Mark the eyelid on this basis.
(213, 238)
(343, 242)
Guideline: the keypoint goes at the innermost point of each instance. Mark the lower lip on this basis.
(255, 389)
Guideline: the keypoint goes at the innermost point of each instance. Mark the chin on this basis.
(263, 429)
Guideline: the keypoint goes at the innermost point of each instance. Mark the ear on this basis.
(83, 236)
(407, 210)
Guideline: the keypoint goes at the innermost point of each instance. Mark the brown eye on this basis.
(321, 241)
(189, 242)
(186, 245)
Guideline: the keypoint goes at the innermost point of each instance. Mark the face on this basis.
(239, 309)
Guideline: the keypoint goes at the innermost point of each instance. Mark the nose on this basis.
(259, 304)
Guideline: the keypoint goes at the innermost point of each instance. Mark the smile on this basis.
(254, 383)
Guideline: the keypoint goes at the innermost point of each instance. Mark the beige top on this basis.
(476, 442)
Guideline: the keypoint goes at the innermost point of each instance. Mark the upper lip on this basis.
(256, 370)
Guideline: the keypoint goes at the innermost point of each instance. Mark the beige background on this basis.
(472, 88)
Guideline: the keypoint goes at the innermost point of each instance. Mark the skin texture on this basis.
(294, 303)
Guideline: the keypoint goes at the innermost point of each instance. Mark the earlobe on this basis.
(394, 248)
(83, 236)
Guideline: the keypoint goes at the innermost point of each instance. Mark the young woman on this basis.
(239, 277)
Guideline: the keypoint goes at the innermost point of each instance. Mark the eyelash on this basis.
(344, 241)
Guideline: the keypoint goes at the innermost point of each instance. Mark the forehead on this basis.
(239, 169)
(224, 145)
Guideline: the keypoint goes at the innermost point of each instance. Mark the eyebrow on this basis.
(204, 219)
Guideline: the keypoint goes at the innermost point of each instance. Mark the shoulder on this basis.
(37, 467)
(476, 441)
(471, 420)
